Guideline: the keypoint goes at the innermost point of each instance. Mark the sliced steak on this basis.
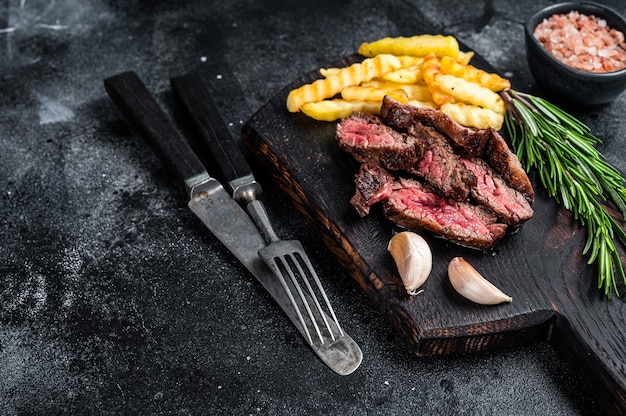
(440, 166)
(373, 184)
(417, 206)
(506, 163)
(467, 185)
(468, 141)
(370, 141)
(494, 193)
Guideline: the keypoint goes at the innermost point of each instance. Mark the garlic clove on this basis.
(472, 285)
(413, 258)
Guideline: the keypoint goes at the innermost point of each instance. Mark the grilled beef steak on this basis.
(470, 142)
(370, 141)
(440, 166)
(421, 151)
(417, 206)
(491, 191)
(487, 144)
(465, 184)
(373, 184)
(506, 163)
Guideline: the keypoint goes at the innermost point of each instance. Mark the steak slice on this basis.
(370, 141)
(494, 193)
(506, 163)
(470, 142)
(373, 184)
(440, 166)
(416, 206)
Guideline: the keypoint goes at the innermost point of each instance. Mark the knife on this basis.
(211, 203)
(196, 99)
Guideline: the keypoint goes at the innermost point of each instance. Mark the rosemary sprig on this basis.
(575, 174)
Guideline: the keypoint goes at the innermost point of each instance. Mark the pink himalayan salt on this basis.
(583, 42)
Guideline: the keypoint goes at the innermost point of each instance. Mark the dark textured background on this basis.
(115, 300)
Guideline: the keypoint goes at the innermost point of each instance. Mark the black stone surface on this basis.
(115, 300)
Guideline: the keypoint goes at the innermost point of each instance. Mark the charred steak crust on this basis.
(373, 184)
(506, 163)
(466, 185)
(467, 141)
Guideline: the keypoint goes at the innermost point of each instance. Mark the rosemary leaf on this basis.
(575, 174)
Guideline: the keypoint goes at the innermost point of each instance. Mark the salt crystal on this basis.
(577, 40)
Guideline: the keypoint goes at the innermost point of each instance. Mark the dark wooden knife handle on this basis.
(142, 111)
(200, 106)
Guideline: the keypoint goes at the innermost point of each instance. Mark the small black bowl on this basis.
(563, 83)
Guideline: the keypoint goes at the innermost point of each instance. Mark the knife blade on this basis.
(208, 200)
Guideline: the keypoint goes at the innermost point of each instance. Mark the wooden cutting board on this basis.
(554, 291)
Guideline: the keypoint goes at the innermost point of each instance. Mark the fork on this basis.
(286, 258)
(292, 267)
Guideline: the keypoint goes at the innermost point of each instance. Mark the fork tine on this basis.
(303, 258)
(279, 274)
(295, 265)
(303, 298)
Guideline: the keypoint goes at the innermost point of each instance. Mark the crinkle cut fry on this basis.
(345, 77)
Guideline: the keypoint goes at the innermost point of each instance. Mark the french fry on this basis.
(473, 116)
(439, 97)
(470, 73)
(430, 72)
(470, 93)
(465, 57)
(331, 110)
(327, 72)
(417, 92)
(333, 84)
(420, 45)
(409, 75)
(423, 104)
(408, 61)
(361, 93)
(430, 68)
(380, 83)
(423, 71)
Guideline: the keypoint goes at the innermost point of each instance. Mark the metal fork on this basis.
(286, 258)
(292, 266)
